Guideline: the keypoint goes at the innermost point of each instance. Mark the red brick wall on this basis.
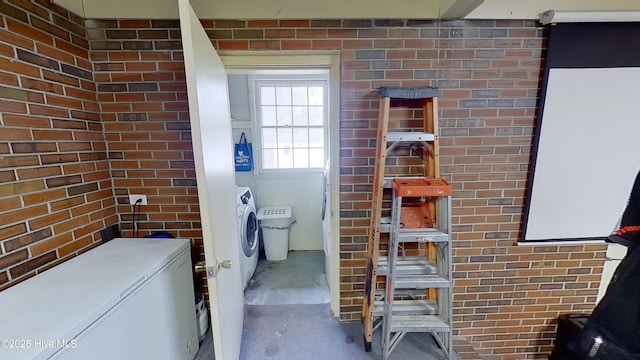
(142, 93)
(143, 101)
(55, 187)
(506, 296)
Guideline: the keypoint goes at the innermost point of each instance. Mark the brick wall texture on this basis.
(94, 110)
(56, 192)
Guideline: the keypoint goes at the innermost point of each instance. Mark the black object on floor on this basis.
(569, 329)
(616, 318)
(611, 331)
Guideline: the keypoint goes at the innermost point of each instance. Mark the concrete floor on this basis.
(287, 316)
(300, 279)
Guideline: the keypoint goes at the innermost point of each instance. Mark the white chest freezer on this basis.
(126, 299)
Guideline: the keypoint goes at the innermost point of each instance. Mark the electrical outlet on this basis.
(140, 199)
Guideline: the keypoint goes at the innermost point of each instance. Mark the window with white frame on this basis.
(291, 117)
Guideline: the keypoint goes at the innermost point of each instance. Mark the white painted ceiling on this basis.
(339, 9)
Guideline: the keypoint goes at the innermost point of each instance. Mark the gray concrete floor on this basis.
(310, 332)
(300, 279)
(288, 317)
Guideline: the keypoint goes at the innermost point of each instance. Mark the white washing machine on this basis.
(248, 231)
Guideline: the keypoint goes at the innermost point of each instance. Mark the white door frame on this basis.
(237, 60)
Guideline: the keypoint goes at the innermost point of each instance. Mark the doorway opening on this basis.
(288, 107)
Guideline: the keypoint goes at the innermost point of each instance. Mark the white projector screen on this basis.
(586, 141)
(587, 153)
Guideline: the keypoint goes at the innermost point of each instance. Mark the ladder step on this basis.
(408, 265)
(421, 235)
(424, 92)
(408, 307)
(385, 224)
(418, 323)
(414, 235)
(409, 136)
(407, 293)
(421, 282)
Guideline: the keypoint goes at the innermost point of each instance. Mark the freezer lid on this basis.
(58, 304)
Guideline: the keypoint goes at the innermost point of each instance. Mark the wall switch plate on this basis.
(140, 199)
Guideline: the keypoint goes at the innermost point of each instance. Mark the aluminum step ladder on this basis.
(421, 137)
(401, 315)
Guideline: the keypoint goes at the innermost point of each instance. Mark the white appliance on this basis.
(248, 231)
(325, 212)
(126, 299)
(202, 317)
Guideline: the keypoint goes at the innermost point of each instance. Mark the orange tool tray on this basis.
(421, 187)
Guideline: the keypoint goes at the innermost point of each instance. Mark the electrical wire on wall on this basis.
(134, 221)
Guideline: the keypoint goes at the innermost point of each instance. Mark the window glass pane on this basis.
(316, 158)
(285, 159)
(299, 95)
(284, 116)
(283, 95)
(269, 158)
(292, 123)
(300, 116)
(285, 138)
(301, 158)
(316, 116)
(316, 137)
(267, 95)
(269, 140)
(315, 95)
(268, 115)
(300, 138)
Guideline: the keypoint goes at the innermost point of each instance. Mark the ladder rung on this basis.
(408, 265)
(421, 282)
(414, 235)
(411, 293)
(408, 307)
(422, 235)
(409, 136)
(385, 224)
(418, 323)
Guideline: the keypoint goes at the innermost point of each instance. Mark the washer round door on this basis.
(249, 231)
